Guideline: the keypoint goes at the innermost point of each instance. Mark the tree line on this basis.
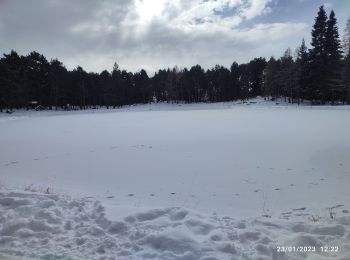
(320, 74)
(28, 81)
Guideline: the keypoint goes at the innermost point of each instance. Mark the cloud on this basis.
(328, 5)
(197, 14)
(256, 8)
(148, 34)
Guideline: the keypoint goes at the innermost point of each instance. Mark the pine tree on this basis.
(318, 57)
(37, 71)
(334, 55)
(346, 41)
(346, 70)
(235, 80)
(272, 82)
(302, 73)
(244, 82)
(14, 81)
(287, 74)
(255, 70)
(56, 82)
(116, 89)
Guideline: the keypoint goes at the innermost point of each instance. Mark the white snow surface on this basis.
(39, 226)
(175, 181)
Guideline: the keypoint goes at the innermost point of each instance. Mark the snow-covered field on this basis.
(168, 181)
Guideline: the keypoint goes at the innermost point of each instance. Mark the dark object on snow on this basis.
(9, 111)
(32, 104)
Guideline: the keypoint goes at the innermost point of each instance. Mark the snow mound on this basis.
(47, 226)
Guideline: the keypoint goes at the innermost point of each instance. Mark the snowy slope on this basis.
(282, 165)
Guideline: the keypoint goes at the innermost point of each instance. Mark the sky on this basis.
(156, 34)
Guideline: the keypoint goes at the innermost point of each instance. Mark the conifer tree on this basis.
(318, 57)
(334, 55)
(272, 81)
(346, 70)
(302, 74)
(287, 75)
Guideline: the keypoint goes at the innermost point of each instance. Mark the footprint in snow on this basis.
(322, 179)
(249, 181)
(172, 193)
(110, 197)
(302, 215)
(292, 185)
(336, 206)
(277, 189)
(131, 195)
(299, 209)
(256, 190)
(152, 195)
(11, 163)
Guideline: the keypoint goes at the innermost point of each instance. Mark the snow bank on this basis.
(47, 226)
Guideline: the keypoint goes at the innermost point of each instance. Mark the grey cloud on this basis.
(48, 25)
(94, 34)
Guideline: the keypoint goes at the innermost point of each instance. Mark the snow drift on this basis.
(48, 226)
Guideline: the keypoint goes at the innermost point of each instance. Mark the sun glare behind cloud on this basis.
(148, 9)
